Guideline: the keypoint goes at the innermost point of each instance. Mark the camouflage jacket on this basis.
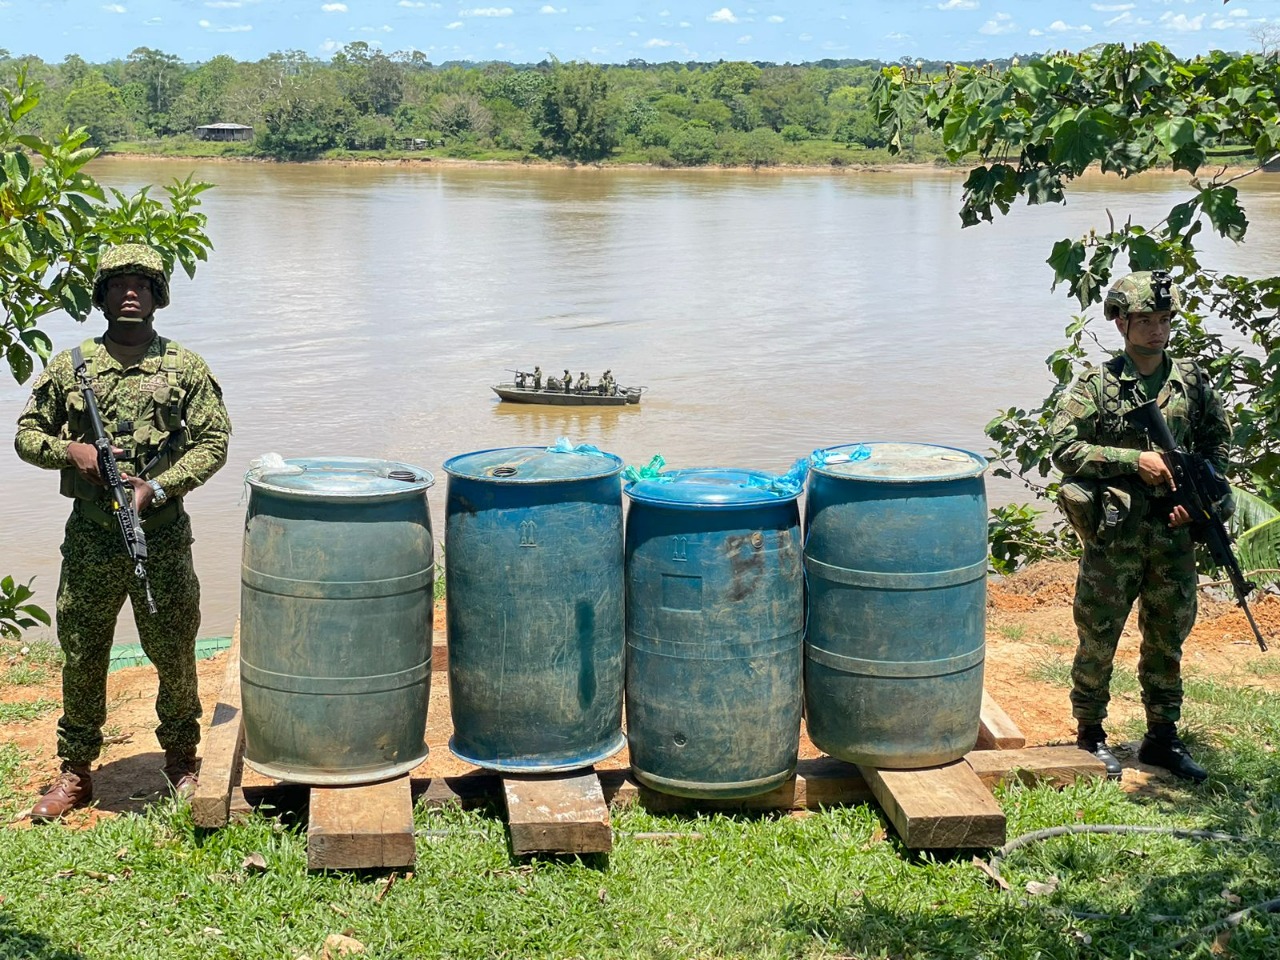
(137, 408)
(1091, 438)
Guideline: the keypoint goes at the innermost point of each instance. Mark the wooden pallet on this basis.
(948, 806)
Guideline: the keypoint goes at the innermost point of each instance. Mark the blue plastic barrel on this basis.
(715, 629)
(534, 603)
(335, 619)
(896, 564)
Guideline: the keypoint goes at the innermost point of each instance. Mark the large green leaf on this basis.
(1258, 550)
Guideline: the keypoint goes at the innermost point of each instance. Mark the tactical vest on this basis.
(1111, 395)
(157, 431)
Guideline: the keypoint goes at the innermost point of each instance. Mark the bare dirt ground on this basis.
(1030, 641)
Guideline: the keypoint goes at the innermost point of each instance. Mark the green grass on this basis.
(1058, 640)
(823, 886)
(1057, 671)
(1012, 631)
(24, 674)
(24, 712)
(1264, 666)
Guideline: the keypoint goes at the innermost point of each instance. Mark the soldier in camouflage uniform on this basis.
(1137, 543)
(160, 403)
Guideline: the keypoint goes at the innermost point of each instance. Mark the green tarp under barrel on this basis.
(896, 566)
(335, 619)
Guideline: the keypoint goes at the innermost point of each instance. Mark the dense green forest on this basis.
(364, 100)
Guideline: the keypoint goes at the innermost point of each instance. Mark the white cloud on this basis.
(958, 5)
(223, 4)
(453, 26)
(745, 39)
(897, 36)
(1181, 23)
(1238, 12)
(329, 46)
(685, 23)
(411, 4)
(548, 8)
(334, 7)
(486, 12)
(114, 8)
(214, 28)
(1111, 7)
(1001, 23)
(1061, 26)
(777, 19)
(723, 15)
(1122, 18)
(1033, 32)
(153, 21)
(657, 42)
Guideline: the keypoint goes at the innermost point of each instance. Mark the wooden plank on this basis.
(1056, 765)
(223, 745)
(996, 731)
(354, 828)
(938, 807)
(557, 813)
(820, 782)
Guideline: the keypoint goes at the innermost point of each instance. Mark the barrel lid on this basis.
(709, 487)
(532, 465)
(892, 462)
(354, 477)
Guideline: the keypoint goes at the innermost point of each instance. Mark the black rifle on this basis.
(1196, 484)
(135, 541)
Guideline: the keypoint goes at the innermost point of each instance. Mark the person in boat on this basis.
(521, 379)
(537, 378)
(584, 382)
(607, 384)
(567, 382)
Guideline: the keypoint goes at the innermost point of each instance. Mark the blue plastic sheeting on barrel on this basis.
(534, 600)
(335, 619)
(715, 625)
(896, 566)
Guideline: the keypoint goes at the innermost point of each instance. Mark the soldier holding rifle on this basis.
(1118, 493)
(166, 433)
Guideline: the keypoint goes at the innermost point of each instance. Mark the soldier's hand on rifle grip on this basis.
(84, 457)
(1179, 517)
(142, 492)
(1154, 471)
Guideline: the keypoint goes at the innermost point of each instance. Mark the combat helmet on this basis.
(131, 258)
(1142, 292)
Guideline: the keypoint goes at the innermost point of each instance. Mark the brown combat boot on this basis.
(73, 788)
(182, 770)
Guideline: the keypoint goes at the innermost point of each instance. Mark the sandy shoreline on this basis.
(550, 166)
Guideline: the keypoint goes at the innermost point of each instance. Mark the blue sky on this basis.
(613, 32)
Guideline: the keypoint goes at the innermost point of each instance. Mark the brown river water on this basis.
(365, 310)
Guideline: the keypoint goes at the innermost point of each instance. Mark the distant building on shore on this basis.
(224, 131)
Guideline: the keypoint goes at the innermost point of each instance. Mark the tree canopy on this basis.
(1035, 128)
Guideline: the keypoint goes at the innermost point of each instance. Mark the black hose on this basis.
(1232, 920)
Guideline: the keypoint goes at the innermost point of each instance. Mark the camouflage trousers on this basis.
(1156, 566)
(96, 577)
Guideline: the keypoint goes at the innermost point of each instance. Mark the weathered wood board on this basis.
(938, 807)
(1057, 765)
(361, 827)
(557, 813)
(222, 748)
(996, 731)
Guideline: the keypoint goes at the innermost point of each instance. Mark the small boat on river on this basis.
(591, 398)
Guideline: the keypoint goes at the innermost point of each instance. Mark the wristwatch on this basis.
(159, 495)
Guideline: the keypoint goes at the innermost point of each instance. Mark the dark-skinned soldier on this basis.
(537, 378)
(1137, 543)
(158, 401)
